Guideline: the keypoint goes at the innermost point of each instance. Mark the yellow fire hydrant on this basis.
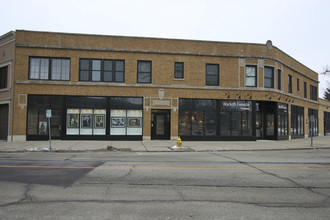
(179, 142)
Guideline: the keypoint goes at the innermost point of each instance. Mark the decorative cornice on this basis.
(279, 93)
(7, 38)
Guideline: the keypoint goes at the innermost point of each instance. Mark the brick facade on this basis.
(232, 59)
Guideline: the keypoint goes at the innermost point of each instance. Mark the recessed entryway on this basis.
(160, 124)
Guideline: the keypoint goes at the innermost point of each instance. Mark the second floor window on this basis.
(3, 77)
(269, 77)
(298, 85)
(178, 70)
(279, 79)
(144, 72)
(251, 76)
(290, 84)
(102, 70)
(313, 91)
(212, 74)
(49, 68)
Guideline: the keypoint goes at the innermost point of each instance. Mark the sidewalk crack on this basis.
(143, 145)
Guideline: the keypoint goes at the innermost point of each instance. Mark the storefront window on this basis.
(236, 118)
(185, 123)
(126, 122)
(210, 123)
(313, 122)
(197, 122)
(236, 123)
(37, 123)
(197, 117)
(246, 124)
(225, 124)
(282, 119)
(201, 117)
(73, 121)
(86, 122)
(297, 120)
(326, 123)
(270, 124)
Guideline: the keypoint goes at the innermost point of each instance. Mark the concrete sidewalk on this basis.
(164, 146)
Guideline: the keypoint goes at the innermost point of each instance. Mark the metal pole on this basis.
(50, 135)
(312, 131)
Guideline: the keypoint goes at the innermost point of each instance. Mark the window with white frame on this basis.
(42, 68)
(251, 76)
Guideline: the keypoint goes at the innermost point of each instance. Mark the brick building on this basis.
(121, 88)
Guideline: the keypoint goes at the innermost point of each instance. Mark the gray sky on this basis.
(300, 28)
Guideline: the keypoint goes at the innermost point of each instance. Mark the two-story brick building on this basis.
(121, 88)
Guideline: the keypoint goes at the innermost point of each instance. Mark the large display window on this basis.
(125, 122)
(197, 117)
(215, 119)
(85, 117)
(86, 122)
(297, 121)
(313, 117)
(236, 118)
(37, 123)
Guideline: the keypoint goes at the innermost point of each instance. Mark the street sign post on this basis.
(49, 115)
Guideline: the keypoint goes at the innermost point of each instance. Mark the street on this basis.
(291, 184)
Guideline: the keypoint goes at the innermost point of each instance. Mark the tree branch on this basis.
(326, 70)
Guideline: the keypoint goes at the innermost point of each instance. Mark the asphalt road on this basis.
(119, 185)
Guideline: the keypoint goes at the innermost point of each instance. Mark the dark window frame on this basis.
(141, 72)
(255, 76)
(313, 92)
(102, 70)
(49, 68)
(297, 121)
(179, 73)
(207, 74)
(279, 79)
(269, 78)
(305, 90)
(298, 85)
(289, 84)
(4, 77)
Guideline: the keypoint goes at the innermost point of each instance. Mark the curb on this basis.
(129, 150)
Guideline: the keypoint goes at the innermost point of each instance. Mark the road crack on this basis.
(27, 198)
(310, 189)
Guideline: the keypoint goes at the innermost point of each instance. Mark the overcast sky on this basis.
(300, 28)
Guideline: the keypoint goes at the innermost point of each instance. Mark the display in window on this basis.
(118, 122)
(99, 121)
(42, 127)
(134, 122)
(86, 121)
(73, 121)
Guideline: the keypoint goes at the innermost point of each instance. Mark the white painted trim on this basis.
(146, 138)
(19, 138)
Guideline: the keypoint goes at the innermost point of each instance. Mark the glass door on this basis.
(160, 126)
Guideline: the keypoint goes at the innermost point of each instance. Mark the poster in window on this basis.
(134, 122)
(73, 121)
(86, 121)
(99, 121)
(42, 127)
(118, 122)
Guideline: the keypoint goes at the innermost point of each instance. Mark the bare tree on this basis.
(326, 70)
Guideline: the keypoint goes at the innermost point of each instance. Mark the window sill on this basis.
(5, 90)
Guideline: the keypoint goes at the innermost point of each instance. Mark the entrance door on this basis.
(4, 122)
(160, 125)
